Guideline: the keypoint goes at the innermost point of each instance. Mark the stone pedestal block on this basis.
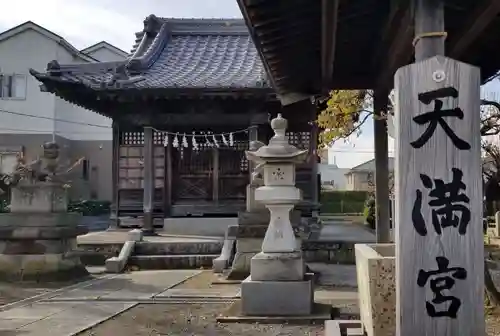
(276, 298)
(246, 249)
(38, 246)
(376, 273)
(278, 266)
(257, 217)
(39, 198)
(220, 263)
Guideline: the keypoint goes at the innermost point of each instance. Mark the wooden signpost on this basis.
(439, 239)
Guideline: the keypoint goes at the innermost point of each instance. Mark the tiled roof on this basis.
(175, 53)
(370, 165)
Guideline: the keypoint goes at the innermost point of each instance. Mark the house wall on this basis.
(332, 177)
(358, 181)
(105, 55)
(17, 55)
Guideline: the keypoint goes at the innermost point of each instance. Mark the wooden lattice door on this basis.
(233, 175)
(209, 179)
(131, 173)
(193, 171)
(303, 171)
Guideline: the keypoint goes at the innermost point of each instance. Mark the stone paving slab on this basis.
(133, 286)
(200, 293)
(70, 319)
(72, 311)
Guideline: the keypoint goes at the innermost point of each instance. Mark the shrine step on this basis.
(178, 248)
(180, 261)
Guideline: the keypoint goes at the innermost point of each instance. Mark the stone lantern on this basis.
(277, 284)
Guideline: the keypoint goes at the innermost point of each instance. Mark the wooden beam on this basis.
(481, 18)
(329, 23)
(288, 28)
(397, 17)
(399, 51)
(196, 119)
(285, 40)
(292, 15)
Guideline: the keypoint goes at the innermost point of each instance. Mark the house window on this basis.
(12, 86)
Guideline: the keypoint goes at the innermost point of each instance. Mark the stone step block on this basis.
(186, 261)
(177, 248)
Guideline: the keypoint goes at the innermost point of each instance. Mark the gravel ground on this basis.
(204, 281)
(192, 320)
(493, 324)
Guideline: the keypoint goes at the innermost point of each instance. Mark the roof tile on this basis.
(195, 53)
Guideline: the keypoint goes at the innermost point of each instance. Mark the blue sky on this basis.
(85, 22)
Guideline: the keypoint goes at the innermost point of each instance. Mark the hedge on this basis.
(343, 201)
(90, 207)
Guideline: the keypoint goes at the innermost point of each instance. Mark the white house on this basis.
(29, 117)
(361, 177)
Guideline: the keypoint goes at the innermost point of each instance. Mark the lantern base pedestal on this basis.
(277, 286)
(278, 266)
(277, 298)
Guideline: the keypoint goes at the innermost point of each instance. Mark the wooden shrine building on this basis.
(185, 77)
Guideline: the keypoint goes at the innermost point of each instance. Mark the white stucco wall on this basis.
(105, 55)
(30, 49)
(17, 55)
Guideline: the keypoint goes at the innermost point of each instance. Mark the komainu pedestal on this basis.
(38, 236)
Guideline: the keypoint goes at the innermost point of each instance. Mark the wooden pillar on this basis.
(115, 175)
(382, 202)
(439, 242)
(429, 18)
(149, 181)
(168, 178)
(215, 175)
(253, 135)
(313, 150)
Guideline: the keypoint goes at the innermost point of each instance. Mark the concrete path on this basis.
(69, 312)
(346, 232)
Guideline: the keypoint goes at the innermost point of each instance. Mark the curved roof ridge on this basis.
(219, 26)
(145, 55)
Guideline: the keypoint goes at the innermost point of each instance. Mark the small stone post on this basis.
(497, 224)
(277, 285)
